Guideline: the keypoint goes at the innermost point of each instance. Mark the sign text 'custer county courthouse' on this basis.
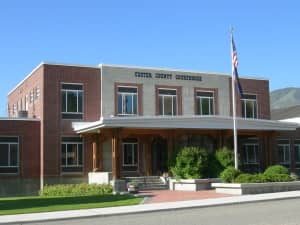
(167, 76)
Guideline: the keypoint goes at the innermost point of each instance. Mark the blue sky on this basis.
(192, 35)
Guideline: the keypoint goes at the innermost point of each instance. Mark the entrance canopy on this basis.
(182, 122)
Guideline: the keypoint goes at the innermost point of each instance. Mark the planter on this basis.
(255, 188)
(191, 184)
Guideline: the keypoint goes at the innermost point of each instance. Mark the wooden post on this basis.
(115, 155)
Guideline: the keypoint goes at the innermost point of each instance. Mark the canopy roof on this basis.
(181, 122)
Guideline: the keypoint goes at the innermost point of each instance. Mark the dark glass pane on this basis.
(63, 102)
(243, 109)
(80, 154)
(166, 92)
(127, 89)
(13, 155)
(135, 104)
(71, 139)
(135, 146)
(128, 104)
(211, 105)
(174, 105)
(120, 105)
(255, 110)
(63, 154)
(9, 169)
(297, 153)
(247, 96)
(205, 106)
(160, 105)
(168, 102)
(71, 154)
(72, 101)
(251, 154)
(72, 86)
(280, 154)
(9, 139)
(80, 101)
(283, 142)
(249, 109)
(3, 154)
(205, 94)
(287, 155)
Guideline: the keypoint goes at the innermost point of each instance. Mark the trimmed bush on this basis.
(229, 174)
(191, 163)
(277, 169)
(279, 178)
(83, 189)
(225, 157)
(250, 178)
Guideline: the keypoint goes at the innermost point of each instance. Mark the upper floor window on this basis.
(9, 154)
(284, 152)
(127, 100)
(204, 103)
(167, 102)
(249, 106)
(72, 101)
(71, 154)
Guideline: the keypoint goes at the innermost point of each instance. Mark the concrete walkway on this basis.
(34, 217)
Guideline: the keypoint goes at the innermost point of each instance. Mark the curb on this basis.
(146, 208)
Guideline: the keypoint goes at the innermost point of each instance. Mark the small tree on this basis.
(190, 163)
(225, 157)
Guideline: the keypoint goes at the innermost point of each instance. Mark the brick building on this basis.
(65, 121)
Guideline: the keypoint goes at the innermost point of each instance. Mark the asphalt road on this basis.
(282, 212)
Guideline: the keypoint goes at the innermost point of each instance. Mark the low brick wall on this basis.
(256, 188)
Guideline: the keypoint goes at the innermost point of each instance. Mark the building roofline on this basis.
(180, 70)
(51, 64)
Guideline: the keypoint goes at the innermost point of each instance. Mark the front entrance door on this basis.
(159, 152)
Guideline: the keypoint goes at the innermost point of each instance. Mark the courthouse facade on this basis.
(65, 121)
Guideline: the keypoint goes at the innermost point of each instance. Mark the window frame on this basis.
(199, 102)
(137, 156)
(244, 106)
(285, 163)
(163, 101)
(123, 94)
(8, 159)
(62, 90)
(77, 165)
(246, 154)
(297, 144)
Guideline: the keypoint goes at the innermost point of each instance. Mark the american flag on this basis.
(235, 74)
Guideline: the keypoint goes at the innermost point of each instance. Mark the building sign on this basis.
(167, 76)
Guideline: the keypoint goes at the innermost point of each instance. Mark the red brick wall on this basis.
(29, 145)
(261, 89)
(34, 81)
(53, 126)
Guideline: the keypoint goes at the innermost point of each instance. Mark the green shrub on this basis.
(225, 157)
(191, 163)
(215, 168)
(250, 178)
(276, 169)
(76, 190)
(229, 174)
(278, 178)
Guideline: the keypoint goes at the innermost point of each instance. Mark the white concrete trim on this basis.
(18, 119)
(184, 122)
(179, 70)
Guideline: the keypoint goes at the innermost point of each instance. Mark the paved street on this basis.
(282, 212)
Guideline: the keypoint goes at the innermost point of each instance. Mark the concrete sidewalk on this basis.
(34, 217)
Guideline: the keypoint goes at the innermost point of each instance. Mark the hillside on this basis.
(284, 98)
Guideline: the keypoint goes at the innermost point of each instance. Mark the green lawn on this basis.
(36, 204)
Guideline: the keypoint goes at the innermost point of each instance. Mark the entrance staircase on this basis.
(149, 182)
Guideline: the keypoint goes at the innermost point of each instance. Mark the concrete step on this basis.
(148, 183)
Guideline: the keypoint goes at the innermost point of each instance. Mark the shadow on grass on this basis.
(36, 202)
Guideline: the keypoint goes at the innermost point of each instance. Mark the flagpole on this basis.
(235, 142)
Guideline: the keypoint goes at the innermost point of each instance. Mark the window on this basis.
(14, 110)
(71, 154)
(127, 101)
(250, 153)
(72, 101)
(167, 102)
(130, 153)
(249, 106)
(31, 96)
(297, 152)
(284, 152)
(204, 103)
(9, 155)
